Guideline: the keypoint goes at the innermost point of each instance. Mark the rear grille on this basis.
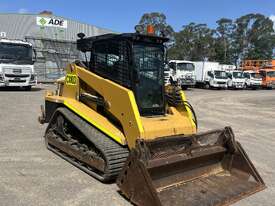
(17, 75)
(18, 81)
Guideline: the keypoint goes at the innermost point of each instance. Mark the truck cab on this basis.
(16, 64)
(216, 79)
(253, 79)
(236, 79)
(183, 72)
(268, 78)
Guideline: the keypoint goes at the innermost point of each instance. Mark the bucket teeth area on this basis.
(207, 169)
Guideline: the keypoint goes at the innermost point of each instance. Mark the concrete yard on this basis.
(30, 175)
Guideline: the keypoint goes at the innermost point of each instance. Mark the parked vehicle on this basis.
(210, 75)
(236, 79)
(167, 74)
(256, 65)
(268, 78)
(183, 72)
(16, 64)
(147, 143)
(253, 79)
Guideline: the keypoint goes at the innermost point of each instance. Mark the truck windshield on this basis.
(220, 74)
(255, 75)
(185, 67)
(238, 75)
(149, 64)
(271, 74)
(15, 53)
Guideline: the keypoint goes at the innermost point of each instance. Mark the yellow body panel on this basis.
(122, 106)
(91, 116)
(168, 125)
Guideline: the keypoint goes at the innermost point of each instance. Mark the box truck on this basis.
(210, 75)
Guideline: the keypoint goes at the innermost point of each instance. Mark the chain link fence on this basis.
(52, 57)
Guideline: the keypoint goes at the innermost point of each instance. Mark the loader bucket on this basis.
(202, 170)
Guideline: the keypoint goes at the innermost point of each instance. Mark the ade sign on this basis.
(51, 22)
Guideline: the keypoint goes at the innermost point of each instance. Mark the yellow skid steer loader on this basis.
(112, 117)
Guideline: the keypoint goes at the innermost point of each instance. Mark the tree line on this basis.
(248, 37)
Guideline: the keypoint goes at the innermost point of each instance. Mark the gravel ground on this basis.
(31, 175)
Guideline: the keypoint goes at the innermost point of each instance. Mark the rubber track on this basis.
(114, 154)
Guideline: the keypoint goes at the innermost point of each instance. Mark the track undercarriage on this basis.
(84, 146)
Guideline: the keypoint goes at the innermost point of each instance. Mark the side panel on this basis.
(121, 103)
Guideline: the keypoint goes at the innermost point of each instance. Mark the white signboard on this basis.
(51, 22)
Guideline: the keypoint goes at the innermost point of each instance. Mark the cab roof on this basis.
(250, 71)
(85, 44)
(130, 36)
(268, 70)
(180, 61)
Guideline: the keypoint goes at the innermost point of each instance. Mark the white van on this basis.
(253, 79)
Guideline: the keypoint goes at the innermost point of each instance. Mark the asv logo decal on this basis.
(3, 34)
(51, 22)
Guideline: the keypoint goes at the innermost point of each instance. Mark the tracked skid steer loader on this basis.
(112, 117)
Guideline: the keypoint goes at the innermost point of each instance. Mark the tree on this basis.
(223, 41)
(193, 42)
(158, 20)
(254, 37)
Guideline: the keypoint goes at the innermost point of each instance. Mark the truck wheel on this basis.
(28, 88)
(245, 86)
(207, 86)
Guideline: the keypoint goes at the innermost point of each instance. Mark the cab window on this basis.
(172, 65)
(246, 75)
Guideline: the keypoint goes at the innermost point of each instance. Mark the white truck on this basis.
(16, 64)
(183, 72)
(253, 79)
(210, 75)
(236, 79)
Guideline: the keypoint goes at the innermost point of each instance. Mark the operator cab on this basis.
(132, 60)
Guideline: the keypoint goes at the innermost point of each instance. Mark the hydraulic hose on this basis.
(186, 103)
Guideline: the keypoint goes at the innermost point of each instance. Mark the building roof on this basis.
(18, 26)
(15, 41)
(57, 16)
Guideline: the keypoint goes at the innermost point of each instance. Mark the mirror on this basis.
(81, 35)
(34, 57)
(209, 73)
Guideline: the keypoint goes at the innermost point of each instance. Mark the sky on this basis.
(123, 15)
